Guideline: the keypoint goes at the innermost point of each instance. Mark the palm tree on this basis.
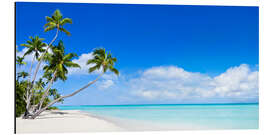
(20, 61)
(103, 60)
(35, 45)
(58, 63)
(22, 74)
(55, 22)
(39, 86)
(54, 93)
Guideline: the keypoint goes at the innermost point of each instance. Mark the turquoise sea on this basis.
(176, 116)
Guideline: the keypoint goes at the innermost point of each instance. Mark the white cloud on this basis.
(170, 82)
(166, 73)
(237, 81)
(107, 81)
(110, 76)
(105, 84)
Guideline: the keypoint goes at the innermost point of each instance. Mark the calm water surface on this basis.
(206, 116)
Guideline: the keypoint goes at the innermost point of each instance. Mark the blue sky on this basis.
(197, 50)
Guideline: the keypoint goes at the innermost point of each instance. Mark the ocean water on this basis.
(177, 116)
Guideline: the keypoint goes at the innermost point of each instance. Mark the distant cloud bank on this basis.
(171, 82)
(238, 83)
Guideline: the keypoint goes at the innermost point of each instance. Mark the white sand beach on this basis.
(57, 121)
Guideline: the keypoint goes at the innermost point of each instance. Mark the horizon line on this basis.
(167, 104)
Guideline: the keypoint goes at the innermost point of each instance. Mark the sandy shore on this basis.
(64, 121)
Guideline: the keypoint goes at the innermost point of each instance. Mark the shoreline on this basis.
(70, 121)
(65, 121)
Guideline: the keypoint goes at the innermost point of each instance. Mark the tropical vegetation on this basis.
(35, 96)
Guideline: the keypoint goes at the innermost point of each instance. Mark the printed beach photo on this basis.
(88, 67)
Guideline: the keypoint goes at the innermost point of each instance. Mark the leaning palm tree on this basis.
(102, 61)
(55, 22)
(57, 67)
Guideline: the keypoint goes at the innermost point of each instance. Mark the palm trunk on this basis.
(28, 87)
(42, 56)
(62, 97)
(28, 93)
(37, 68)
(34, 96)
(26, 113)
(47, 90)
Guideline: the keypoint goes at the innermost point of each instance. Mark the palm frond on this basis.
(49, 19)
(29, 51)
(92, 69)
(69, 56)
(99, 51)
(57, 14)
(53, 24)
(92, 61)
(65, 21)
(26, 45)
(49, 28)
(114, 70)
(65, 31)
(72, 64)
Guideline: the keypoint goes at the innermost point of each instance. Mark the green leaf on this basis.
(65, 31)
